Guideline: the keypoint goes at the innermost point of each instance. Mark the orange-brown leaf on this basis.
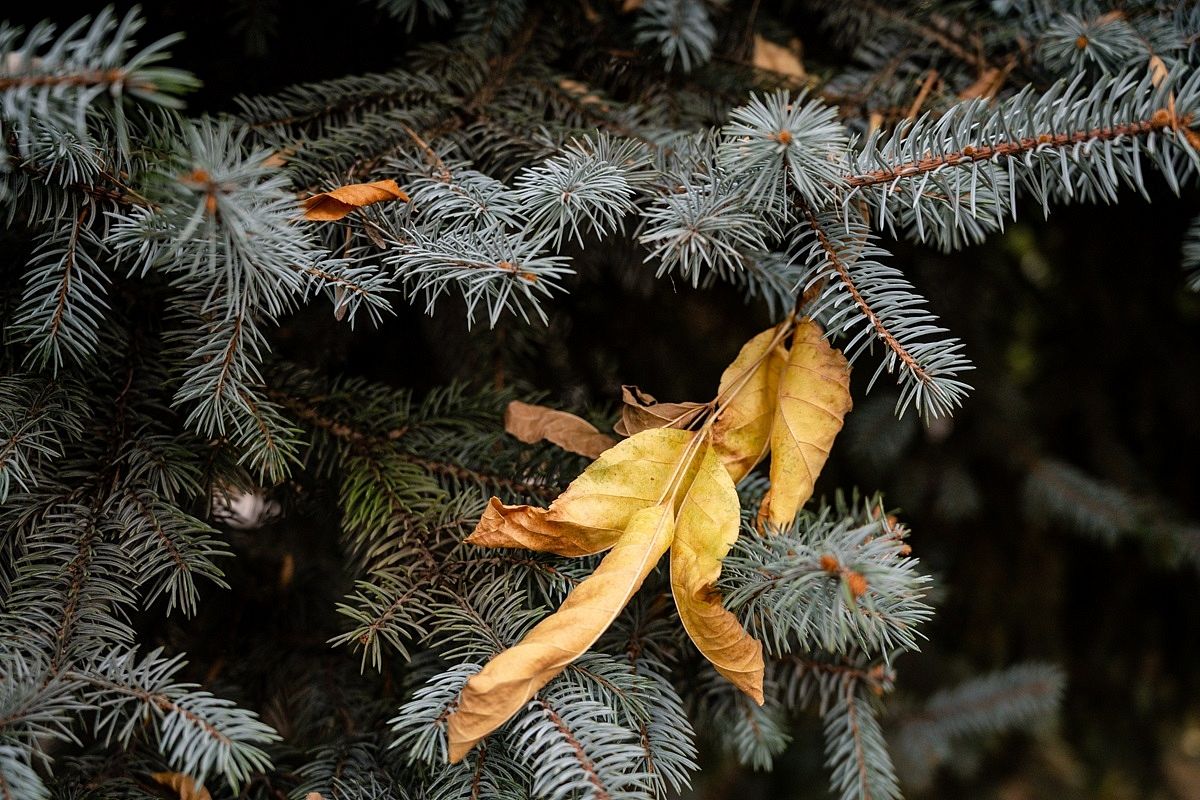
(335, 204)
(777, 58)
(596, 508)
(748, 393)
(707, 526)
(183, 785)
(641, 412)
(532, 423)
(510, 679)
(814, 397)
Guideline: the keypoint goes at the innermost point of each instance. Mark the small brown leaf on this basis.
(776, 58)
(532, 423)
(184, 785)
(642, 412)
(335, 204)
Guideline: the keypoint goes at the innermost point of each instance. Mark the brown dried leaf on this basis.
(748, 393)
(642, 412)
(510, 679)
(532, 423)
(596, 508)
(777, 58)
(814, 397)
(335, 204)
(182, 784)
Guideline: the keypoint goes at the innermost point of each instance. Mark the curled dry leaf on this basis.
(335, 204)
(707, 528)
(742, 430)
(510, 679)
(596, 508)
(641, 412)
(814, 397)
(184, 785)
(777, 58)
(532, 423)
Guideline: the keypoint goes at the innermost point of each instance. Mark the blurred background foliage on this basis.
(1085, 340)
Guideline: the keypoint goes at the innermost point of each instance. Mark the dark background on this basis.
(1087, 347)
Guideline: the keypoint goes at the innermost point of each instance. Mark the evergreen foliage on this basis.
(157, 254)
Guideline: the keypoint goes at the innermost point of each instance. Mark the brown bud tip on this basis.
(1081, 42)
(857, 584)
(1161, 117)
(829, 563)
(784, 137)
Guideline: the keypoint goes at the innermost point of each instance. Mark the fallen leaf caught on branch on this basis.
(663, 490)
(814, 398)
(510, 679)
(532, 423)
(182, 784)
(337, 203)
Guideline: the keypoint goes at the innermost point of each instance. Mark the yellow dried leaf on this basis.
(596, 508)
(814, 397)
(707, 527)
(335, 204)
(748, 393)
(641, 412)
(532, 423)
(510, 679)
(776, 58)
(184, 785)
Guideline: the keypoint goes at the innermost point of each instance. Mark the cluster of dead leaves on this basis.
(668, 487)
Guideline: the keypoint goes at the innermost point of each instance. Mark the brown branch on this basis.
(843, 273)
(160, 701)
(93, 77)
(1160, 120)
(77, 572)
(856, 732)
(580, 754)
(152, 518)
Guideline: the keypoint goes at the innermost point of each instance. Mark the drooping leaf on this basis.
(814, 397)
(641, 412)
(510, 679)
(747, 396)
(532, 423)
(335, 204)
(707, 526)
(596, 508)
(183, 785)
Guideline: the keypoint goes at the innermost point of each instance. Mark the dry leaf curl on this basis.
(596, 508)
(814, 397)
(337, 203)
(510, 679)
(532, 423)
(742, 430)
(640, 411)
(707, 527)
(184, 785)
